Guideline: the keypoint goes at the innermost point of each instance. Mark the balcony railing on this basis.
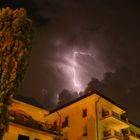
(28, 121)
(132, 133)
(114, 120)
(113, 114)
(112, 134)
(129, 133)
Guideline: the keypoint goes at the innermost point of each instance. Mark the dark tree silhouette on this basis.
(16, 35)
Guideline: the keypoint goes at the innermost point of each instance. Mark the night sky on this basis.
(82, 45)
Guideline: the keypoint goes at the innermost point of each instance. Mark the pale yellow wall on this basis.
(105, 104)
(110, 106)
(35, 112)
(77, 123)
(15, 129)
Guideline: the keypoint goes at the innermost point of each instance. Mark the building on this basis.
(90, 117)
(27, 122)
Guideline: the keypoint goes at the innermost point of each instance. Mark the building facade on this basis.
(27, 122)
(90, 117)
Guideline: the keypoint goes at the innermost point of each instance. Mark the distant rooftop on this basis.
(28, 100)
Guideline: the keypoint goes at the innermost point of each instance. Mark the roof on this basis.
(85, 96)
(28, 100)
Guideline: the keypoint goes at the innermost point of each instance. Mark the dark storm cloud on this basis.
(66, 96)
(112, 28)
(107, 30)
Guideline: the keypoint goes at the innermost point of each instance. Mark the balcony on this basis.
(131, 135)
(114, 120)
(21, 118)
(112, 135)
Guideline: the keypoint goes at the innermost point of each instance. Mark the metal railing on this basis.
(28, 121)
(113, 114)
(129, 132)
(112, 133)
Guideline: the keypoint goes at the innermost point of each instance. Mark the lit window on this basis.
(84, 113)
(22, 137)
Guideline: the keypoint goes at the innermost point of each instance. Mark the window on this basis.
(84, 114)
(22, 137)
(65, 122)
(85, 131)
(55, 125)
(105, 112)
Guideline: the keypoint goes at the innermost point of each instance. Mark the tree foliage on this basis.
(16, 35)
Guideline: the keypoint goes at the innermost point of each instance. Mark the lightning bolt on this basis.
(76, 84)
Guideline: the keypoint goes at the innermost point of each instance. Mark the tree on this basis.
(16, 36)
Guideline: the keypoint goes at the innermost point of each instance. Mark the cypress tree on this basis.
(16, 36)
